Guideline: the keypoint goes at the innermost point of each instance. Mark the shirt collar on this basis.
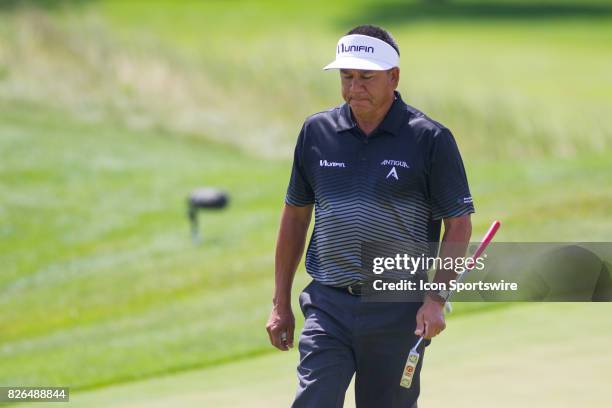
(392, 123)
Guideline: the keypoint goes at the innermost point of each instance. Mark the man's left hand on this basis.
(430, 318)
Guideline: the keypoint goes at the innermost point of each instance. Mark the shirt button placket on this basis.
(363, 150)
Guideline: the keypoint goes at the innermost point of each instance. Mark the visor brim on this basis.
(358, 63)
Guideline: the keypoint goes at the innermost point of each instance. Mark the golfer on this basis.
(375, 169)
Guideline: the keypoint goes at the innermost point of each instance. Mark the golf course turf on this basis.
(111, 113)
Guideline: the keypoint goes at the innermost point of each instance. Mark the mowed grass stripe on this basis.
(120, 273)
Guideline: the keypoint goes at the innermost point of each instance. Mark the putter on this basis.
(414, 355)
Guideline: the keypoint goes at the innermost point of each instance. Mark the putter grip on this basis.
(487, 239)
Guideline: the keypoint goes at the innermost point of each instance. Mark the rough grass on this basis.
(520, 87)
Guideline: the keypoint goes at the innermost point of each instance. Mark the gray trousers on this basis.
(343, 336)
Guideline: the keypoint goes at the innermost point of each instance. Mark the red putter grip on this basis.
(487, 239)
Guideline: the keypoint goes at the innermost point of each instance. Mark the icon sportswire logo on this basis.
(325, 163)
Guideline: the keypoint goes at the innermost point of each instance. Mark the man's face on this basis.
(367, 91)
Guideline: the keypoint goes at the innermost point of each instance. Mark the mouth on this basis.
(359, 100)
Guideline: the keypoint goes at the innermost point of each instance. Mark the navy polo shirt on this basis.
(396, 184)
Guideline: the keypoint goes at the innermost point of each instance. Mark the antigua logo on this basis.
(399, 163)
(392, 173)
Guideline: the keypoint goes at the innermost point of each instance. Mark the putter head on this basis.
(409, 369)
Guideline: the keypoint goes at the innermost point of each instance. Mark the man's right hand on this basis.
(289, 248)
(281, 321)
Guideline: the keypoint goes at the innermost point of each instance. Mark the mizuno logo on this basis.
(395, 163)
(325, 163)
(392, 173)
(354, 48)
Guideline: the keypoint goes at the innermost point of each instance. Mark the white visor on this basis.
(358, 51)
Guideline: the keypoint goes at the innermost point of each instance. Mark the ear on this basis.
(394, 76)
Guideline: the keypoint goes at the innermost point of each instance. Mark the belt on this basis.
(360, 288)
(356, 289)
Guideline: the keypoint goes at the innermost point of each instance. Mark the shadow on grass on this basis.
(403, 11)
(8, 5)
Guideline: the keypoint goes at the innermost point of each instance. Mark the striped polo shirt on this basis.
(395, 185)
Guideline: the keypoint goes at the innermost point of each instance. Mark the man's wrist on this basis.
(436, 297)
(281, 302)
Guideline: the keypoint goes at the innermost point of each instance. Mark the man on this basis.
(375, 169)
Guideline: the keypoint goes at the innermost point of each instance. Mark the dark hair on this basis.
(376, 32)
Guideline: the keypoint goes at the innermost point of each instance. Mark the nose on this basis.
(356, 85)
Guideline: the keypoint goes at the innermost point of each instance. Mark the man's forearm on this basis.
(289, 248)
(457, 233)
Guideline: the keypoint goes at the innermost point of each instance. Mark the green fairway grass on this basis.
(552, 355)
(111, 112)
(97, 261)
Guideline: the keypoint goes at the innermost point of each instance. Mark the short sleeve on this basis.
(448, 185)
(299, 192)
